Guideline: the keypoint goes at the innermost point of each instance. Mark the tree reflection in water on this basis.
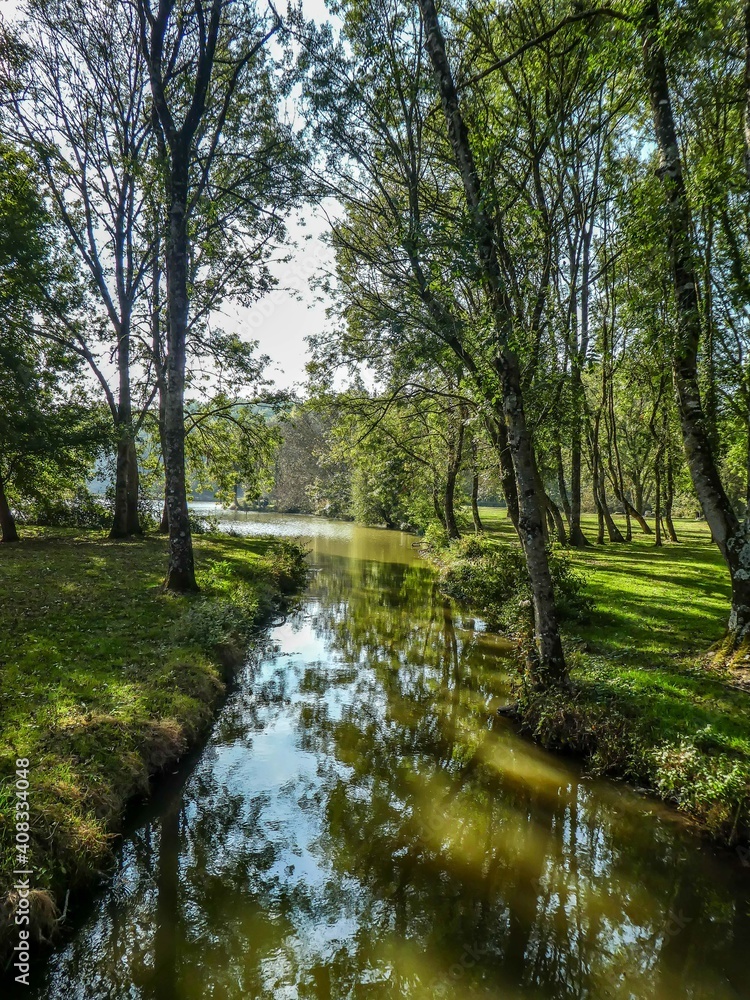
(362, 824)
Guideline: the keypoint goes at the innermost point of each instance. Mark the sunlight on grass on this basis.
(94, 690)
(649, 705)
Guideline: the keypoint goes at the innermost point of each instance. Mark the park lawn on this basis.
(105, 679)
(649, 702)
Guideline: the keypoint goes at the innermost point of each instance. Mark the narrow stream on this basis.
(362, 824)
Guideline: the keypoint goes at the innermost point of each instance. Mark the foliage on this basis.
(492, 580)
(80, 510)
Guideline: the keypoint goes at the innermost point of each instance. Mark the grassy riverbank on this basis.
(648, 704)
(105, 680)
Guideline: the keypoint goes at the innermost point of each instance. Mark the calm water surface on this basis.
(362, 824)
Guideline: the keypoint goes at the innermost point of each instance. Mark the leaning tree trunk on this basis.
(731, 536)
(7, 521)
(449, 496)
(547, 667)
(557, 520)
(636, 514)
(181, 569)
(478, 527)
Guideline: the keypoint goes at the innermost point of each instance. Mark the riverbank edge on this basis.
(270, 586)
(617, 735)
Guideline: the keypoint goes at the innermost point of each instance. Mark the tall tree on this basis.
(80, 104)
(205, 61)
(550, 667)
(731, 534)
(49, 432)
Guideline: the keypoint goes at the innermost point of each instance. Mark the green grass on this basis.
(104, 679)
(649, 702)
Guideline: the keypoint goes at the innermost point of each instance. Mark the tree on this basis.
(49, 431)
(80, 106)
(731, 534)
(198, 78)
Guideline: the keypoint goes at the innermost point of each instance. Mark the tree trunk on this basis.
(731, 536)
(577, 537)
(454, 464)
(134, 523)
(542, 495)
(547, 666)
(638, 505)
(449, 497)
(557, 520)
(613, 532)
(615, 465)
(599, 518)
(475, 488)
(439, 509)
(642, 522)
(119, 527)
(125, 519)
(499, 436)
(478, 528)
(657, 502)
(668, 501)
(181, 569)
(7, 521)
(164, 523)
(561, 484)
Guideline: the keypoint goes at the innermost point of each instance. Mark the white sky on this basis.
(282, 320)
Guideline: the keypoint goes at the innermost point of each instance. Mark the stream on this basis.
(362, 824)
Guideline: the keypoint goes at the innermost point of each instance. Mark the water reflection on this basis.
(362, 825)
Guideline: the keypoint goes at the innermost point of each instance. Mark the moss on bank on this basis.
(105, 679)
(648, 704)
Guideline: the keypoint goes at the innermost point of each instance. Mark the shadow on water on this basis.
(361, 824)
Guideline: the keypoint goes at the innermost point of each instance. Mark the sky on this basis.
(281, 321)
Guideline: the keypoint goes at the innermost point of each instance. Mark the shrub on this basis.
(435, 537)
(80, 510)
(492, 580)
(213, 622)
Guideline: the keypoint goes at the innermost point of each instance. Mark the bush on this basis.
(232, 608)
(288, 566)
(202, 524)
(213, 622)
(492, 580)
(81, 510)
(435, 538)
